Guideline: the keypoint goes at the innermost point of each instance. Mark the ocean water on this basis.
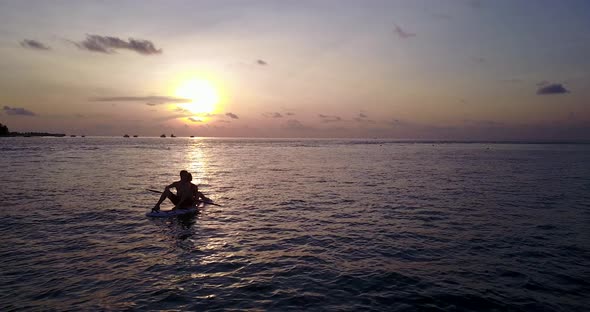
(317, 225)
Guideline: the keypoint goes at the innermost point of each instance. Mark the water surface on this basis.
(304, 224)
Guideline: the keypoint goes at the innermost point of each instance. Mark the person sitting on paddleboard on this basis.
(185, 192)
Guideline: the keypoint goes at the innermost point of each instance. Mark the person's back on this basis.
(184, 189)
(184, 192)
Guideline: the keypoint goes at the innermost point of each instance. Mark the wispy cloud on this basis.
(553, 88)
(232, 116)
(108, 45)
(363, 118)
(261, 62)
(328, 118)
(193, 119)
(34, 44)
(294, 124)
(150, 100)
(176, 115)
(402, 33)
(181, 110)
(18, 111)
(273, 115)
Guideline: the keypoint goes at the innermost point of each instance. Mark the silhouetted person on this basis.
(187, 194)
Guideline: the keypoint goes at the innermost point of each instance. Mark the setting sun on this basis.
(203, 95)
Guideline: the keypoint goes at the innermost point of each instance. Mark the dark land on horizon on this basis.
(5, 132)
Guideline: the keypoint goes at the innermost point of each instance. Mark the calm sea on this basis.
(327, 225)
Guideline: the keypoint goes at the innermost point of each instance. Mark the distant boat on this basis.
(172, 135)
(72, 135)
(163, 136)
(126, 136)
(192, 136)
(83, 136)
(135, 135)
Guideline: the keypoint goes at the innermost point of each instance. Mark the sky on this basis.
(400, 69)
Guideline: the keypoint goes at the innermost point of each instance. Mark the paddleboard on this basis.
(172, 213)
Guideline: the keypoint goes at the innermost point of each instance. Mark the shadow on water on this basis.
(180, 229)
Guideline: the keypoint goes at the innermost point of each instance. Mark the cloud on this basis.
(290, 114)
(181, 110)
(108, 45)
(261, 62)
(362, 118)
(194, 119)
(294, 124)
(396, 123)
(173, 116)
(34, 44)
(151, 100)
(328, 118)
(402, 33)
(272, 115)
(364, 121)
(232, 116)
(18, 111)
(554, 88)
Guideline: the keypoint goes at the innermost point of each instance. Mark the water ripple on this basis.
(312, 225)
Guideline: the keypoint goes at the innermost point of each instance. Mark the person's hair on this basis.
(190, 177)
(185, 175)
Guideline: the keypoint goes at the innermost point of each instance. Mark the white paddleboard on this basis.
(172, 213)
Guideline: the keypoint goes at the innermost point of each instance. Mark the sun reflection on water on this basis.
(197, 162)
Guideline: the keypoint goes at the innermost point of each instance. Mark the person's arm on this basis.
(163, 196)
(173, 185)
(198, 196)
(203, 197)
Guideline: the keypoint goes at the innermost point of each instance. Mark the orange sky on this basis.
(397, 69)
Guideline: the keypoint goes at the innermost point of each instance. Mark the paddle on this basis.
(206, 202)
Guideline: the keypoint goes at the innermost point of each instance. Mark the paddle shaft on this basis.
(209, 203)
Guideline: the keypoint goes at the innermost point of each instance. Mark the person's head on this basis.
(190, 177)
(184, 175)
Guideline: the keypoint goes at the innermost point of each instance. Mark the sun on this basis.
(202, 94)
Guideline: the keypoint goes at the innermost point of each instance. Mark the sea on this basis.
(302, 225)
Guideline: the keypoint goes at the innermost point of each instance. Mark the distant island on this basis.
(4, 132)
